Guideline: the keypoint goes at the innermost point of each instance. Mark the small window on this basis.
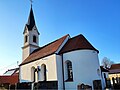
(43, 72)
(69, 71)
(26, 38)
(38, 72)
(34, 39)
(33, 74)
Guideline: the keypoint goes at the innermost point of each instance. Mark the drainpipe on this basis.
(63, 72)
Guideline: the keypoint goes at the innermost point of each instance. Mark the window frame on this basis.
(33, 74)
(26, 38)
(44, 72)
(34, 38)
(69, 71)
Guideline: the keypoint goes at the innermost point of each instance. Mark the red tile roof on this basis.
(115, 68)
(9, 79)
(77, 43)
(46, 50)
(9, 73)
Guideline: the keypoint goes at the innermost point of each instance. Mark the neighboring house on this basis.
(69, 61)
(11, 72)
(114, 73)
(10, 77)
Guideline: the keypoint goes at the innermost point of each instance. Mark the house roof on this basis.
(115, 68)
(46, 50)
(11, 76)
(77, 43)
(11, 72)
(9, 79)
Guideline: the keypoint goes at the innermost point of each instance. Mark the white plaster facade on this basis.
(25, 70)
(85, 64)
(53, 70)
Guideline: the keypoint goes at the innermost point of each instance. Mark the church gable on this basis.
(34, 29)
(77, 43)
(44, 51)
(25, 29)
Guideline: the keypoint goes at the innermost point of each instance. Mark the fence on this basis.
(31, 86)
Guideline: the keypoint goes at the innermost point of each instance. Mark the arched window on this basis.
(69, 71)
(34, 39)
(33, 74)
(43, 72)
(26, 38)
(38, 72)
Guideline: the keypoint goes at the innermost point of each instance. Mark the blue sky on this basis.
(97, 20)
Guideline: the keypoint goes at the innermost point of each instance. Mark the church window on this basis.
(33, 74)
(34, 39)
(26, 38)
(69, 71)
(38, 72)
(43, 72)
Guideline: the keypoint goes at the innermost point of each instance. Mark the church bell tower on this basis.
(31, 36)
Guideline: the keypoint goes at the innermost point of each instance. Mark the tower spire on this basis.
(31, 20)
(31, 1)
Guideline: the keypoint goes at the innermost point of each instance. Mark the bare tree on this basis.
(106, 62)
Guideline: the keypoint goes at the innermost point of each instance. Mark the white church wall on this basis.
(52, 69)
(49, 61)
(25, 53)
(85, 64)
(32, 33)
(30, 37)
(26, 34)
(59, 71)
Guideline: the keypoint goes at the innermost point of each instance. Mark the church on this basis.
(69, 61)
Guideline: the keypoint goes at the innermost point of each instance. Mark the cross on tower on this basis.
(31, 1)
